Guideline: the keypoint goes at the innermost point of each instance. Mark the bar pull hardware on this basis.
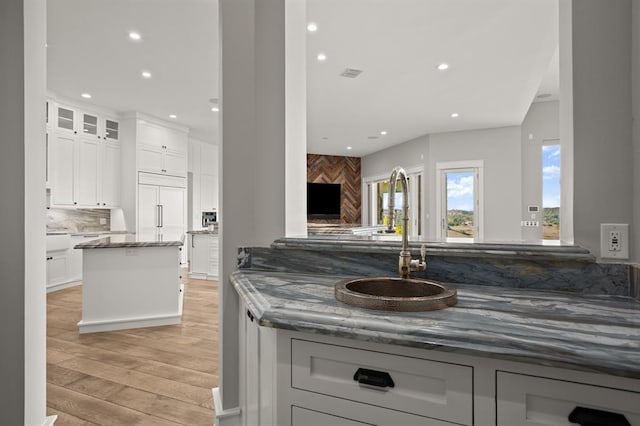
(592, 417)
(380, 379)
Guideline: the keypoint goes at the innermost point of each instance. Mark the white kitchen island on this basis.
(131, 281)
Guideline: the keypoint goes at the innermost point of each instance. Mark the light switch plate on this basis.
(614, 241)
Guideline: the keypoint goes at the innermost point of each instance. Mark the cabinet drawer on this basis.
(432, 389)
(533, 401)
(303, 417)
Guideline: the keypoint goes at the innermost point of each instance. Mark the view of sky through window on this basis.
(551, 176)
(460, 191)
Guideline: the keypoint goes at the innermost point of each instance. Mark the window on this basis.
(377, 200)
(459, 212)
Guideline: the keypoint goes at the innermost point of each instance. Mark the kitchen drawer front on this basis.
(303, 417)
(524, 400)
(432, 389)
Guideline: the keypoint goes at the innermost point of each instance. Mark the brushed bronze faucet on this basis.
(406, 265)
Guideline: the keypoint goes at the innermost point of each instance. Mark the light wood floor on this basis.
(148, 376)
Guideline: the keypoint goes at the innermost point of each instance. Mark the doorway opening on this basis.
(551, 190)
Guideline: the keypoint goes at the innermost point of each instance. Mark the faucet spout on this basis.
(405, 264)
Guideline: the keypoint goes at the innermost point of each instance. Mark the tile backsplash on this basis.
(78, 220)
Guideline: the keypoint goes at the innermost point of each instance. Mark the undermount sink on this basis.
(395, 294)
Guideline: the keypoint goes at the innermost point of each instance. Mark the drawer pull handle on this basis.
(590, 417)
(379, 379)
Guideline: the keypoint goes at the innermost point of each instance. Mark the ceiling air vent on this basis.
(373, 137)
(351, 73)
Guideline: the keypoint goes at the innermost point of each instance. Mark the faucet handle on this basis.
(423, 252)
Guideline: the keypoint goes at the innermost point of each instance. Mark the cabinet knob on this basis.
(97, 204)
(104, 204)
(75, 202)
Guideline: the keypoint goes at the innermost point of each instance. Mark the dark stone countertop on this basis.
(596, 333)
(151, 239)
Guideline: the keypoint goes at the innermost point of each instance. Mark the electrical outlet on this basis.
(530, 223)
(103, 221)
(614, 241)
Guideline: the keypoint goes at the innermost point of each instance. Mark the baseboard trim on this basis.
(50, 421)
(230, 417)
(125, 323)
(56, 287)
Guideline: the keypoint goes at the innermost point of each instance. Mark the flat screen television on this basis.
(323, 200)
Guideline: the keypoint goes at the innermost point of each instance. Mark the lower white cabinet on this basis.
(305, 417)
(204, 256)
(57, 268)
(534, 401)
(299, 379)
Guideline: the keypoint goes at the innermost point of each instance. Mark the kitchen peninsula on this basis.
(514, 351)
(131, 281)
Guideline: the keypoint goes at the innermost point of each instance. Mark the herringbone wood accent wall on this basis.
(342, 170)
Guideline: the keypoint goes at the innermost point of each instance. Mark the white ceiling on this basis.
(89, 51)
(499, 51)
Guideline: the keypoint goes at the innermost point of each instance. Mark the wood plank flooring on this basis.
(146, 376)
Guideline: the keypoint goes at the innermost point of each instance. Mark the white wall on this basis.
(636, 127)
(603, 168)
(409, 154)
(542, 123)
(22, 263)
(498, 148)
(500, 151)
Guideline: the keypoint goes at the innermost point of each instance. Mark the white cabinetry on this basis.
(204, 256)
(58, 260)
(161, 149)
(533, 401)
(84, 160)
(160, 206)
(297, 379)
(203, 160)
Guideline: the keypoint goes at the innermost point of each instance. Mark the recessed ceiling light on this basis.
(443, 67)
(134, 35)
(215, 109)
(86, 96)
(349, 147)
(455, 115)
(173, 116)
(384, 132)
(322, 57)
(146, 74)
(312, 27)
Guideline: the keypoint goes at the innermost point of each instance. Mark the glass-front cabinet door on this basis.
(65, 119)
(89, 124)
(111, 130)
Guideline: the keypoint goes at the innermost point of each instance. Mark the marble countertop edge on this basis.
(511, 342)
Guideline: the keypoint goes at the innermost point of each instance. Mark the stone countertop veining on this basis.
(151, 239)
(202, 232)
(591, 333)
(391, 244)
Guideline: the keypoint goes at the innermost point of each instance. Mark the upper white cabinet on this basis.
(84, 162)
(66, 120)
(203, 164)
(111, 129)
(161, 149)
